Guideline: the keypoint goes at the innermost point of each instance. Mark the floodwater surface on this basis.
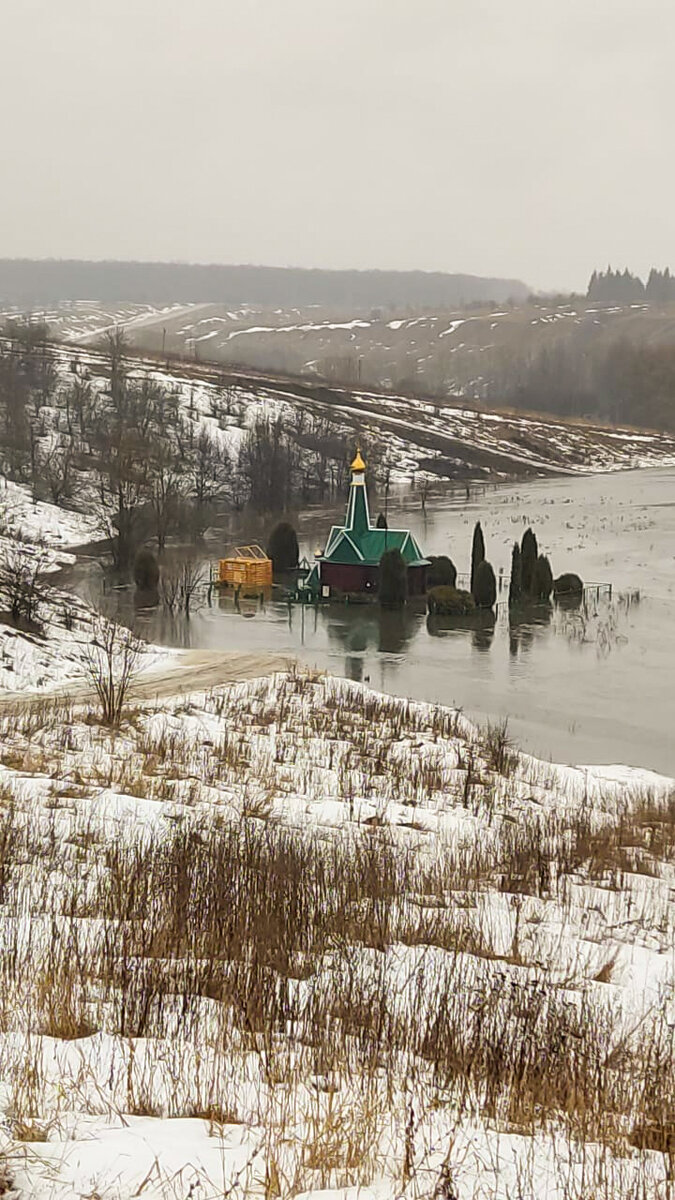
(589, 687)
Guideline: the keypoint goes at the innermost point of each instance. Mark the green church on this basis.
(350, 562)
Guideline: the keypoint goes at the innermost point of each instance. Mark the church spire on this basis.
(358, 516)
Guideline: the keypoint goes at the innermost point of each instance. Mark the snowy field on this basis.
(296, 938)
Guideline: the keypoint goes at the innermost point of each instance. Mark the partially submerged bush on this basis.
(568, 585)
(283, 548)
(393, 584)
(450, 602)
(485, 586)
(441, 572)
(146, 571)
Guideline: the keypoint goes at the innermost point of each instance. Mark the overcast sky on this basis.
(523, 138)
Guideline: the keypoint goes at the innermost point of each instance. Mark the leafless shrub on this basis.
(180, 588)
(111, 661)
(21, 583)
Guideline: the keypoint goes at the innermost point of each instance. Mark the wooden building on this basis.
(246, 566)
(350, 562)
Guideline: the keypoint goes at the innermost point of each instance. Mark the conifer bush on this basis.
(393, 585)
(516, 582)
(441, 572)
(146, 570)
(529, 552)
(485, 588)
(543, 579)
(282, 547)
(477, 554)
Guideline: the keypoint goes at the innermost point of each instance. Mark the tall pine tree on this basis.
(529, 552)
(516, 581)
(477, 554)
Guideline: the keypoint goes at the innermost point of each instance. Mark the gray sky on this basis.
(528, 138)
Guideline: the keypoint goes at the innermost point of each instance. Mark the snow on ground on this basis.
(39, 521)
(437, 438)
(51, 651)
(489, 444)
(346, 912)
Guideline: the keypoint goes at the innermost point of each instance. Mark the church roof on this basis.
(367, 546)
(357, 541)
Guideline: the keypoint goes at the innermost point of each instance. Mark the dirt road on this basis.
(185, 671)
(199, 670)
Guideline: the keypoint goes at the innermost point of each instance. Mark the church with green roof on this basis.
(350, 562)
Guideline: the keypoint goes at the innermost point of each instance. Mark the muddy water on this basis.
(596, 687)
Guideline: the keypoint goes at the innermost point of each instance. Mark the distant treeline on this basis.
(620, 287)
(31, 282)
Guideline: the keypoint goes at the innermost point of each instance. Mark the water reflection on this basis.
(481, 626)
(525, 624)
(484, 631)
(368, 627)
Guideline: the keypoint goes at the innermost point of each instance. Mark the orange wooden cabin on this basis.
(246, 566)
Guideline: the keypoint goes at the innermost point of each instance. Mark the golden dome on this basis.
(358, 463)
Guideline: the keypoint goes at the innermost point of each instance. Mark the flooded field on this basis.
(593, 687)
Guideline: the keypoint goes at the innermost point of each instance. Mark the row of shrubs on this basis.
(531, 579)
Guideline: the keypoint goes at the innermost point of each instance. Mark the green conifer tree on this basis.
(282, 547)
(485, 593)
(477, 553)
(516, 582)
(543, 579)
(393, 582)
(529, 553)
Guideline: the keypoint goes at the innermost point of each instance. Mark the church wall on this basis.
(357, 577)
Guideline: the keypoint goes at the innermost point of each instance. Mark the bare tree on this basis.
(169, 589)
(55, 469)
(165, 495)
(180, 588)
(208, 468)
(111, 661)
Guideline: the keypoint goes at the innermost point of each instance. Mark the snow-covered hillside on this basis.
(295, 938)
(443, 440)
(37, 521)
(469, 352)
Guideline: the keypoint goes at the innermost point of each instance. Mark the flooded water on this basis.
(595, 687)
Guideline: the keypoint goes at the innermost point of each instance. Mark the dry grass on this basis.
(332, 967)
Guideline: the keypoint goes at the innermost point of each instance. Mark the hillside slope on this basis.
(443, 438)
(611, 362)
